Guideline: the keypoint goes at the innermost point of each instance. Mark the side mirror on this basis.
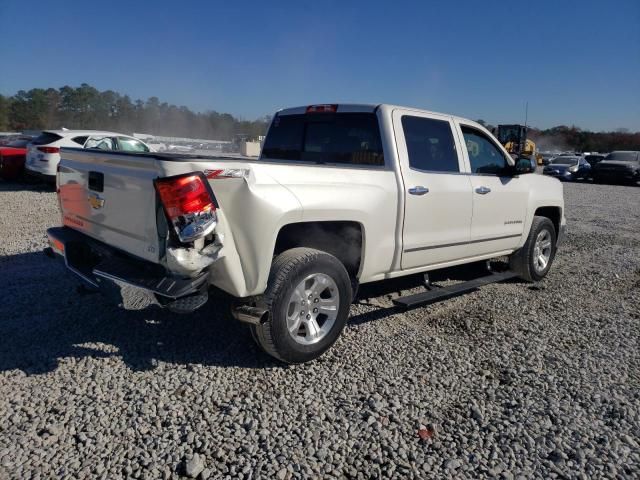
(525, 165)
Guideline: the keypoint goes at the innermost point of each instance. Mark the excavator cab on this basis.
(515, 141)
(513, 137)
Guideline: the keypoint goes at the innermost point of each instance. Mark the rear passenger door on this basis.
(437, 214)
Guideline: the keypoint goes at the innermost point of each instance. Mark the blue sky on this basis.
(575, 62)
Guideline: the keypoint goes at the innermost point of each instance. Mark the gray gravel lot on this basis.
(512, 381)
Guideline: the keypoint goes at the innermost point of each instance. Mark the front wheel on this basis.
(308, 296)
(533, 261)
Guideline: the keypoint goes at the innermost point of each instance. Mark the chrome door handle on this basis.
(419, 190)
(483, 190)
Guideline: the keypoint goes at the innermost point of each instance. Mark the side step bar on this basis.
(436, 294)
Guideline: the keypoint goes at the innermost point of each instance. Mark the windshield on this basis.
(623, 156)
(565, 161)
(509, 133)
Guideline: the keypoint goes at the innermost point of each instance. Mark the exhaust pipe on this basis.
(252, 315)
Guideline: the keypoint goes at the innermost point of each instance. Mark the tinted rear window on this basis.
(430, 144)
(46, 138)
(344, 138)
(623, 156)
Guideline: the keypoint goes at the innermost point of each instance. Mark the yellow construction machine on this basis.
(514, 138)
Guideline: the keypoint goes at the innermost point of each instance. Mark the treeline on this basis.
(572, 138)
(563, 138)
(85, 107)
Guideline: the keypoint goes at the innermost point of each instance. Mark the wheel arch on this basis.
(343, 239)
(553, 213)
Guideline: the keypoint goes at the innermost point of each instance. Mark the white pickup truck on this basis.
(341, 195)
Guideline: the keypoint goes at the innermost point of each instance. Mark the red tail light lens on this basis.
(49, 149)
(188, 204)
(326, 108)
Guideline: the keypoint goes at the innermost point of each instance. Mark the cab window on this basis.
(131, 145)
(484, 156)
(430, 144)
(79, 140)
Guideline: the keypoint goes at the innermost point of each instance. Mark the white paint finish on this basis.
(495, 214)
(127, 218)
(442, 216)
(367, 197)
(254, 209)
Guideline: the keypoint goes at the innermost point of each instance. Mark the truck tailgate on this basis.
(111, 198)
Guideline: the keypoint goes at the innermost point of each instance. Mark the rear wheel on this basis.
(533, 261)
(308, 297)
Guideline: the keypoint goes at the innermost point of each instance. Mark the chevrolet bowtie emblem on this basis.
(95, 201)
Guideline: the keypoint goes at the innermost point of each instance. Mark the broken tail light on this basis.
(189, 205)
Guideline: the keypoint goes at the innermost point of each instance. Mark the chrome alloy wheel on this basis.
(542, 251)
(313, 308)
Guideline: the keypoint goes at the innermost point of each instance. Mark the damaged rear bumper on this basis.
(95, 262)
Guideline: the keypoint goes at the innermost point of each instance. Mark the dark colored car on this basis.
(594, 158)
(620, 166)
(568, 168)
(12, 157)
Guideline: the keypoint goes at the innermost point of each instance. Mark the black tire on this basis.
(522, 261)
(287, 271)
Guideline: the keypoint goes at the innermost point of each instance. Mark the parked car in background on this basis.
(13, 152)
(546, 157)
(619, 166)
(568, 168)
(43, 153)
(594, 158)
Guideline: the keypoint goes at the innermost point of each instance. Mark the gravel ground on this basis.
(512, 381)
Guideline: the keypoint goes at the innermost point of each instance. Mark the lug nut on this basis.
(308, 317)
(316, 300)
(302, 312)
(310, 297)
(315, 310)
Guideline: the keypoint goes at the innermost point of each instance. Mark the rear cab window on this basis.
(329, 137)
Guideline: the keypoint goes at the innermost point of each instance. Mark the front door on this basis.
(437, 214)
(499, 198)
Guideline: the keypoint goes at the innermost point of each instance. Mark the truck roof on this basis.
(369, 107)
